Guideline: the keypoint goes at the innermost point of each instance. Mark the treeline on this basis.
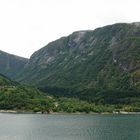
(31, 99)
(26, 98)
(86, 95)
(96, 96)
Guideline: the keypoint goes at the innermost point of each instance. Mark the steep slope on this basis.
(11, 65)
(4, 81)
(107, 58)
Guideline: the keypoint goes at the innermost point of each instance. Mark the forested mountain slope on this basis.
(106, 58)
(11, 65)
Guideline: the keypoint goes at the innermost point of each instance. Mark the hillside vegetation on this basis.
(14, 96)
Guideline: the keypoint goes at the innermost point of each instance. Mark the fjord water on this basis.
(69, 127)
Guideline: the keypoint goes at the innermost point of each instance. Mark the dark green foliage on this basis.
(14, 96)
(72, 105)
(18, 97)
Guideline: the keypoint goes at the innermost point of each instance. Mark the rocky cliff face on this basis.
(11, 65)
(107, 58)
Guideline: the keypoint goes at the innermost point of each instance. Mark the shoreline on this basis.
(66, 113)
(51, 113)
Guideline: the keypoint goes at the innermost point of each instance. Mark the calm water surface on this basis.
(69, 127)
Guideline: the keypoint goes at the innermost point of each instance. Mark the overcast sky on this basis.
(28, 25)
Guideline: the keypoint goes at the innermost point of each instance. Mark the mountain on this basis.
(100, 66)
(88, 62)
(11, 65)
